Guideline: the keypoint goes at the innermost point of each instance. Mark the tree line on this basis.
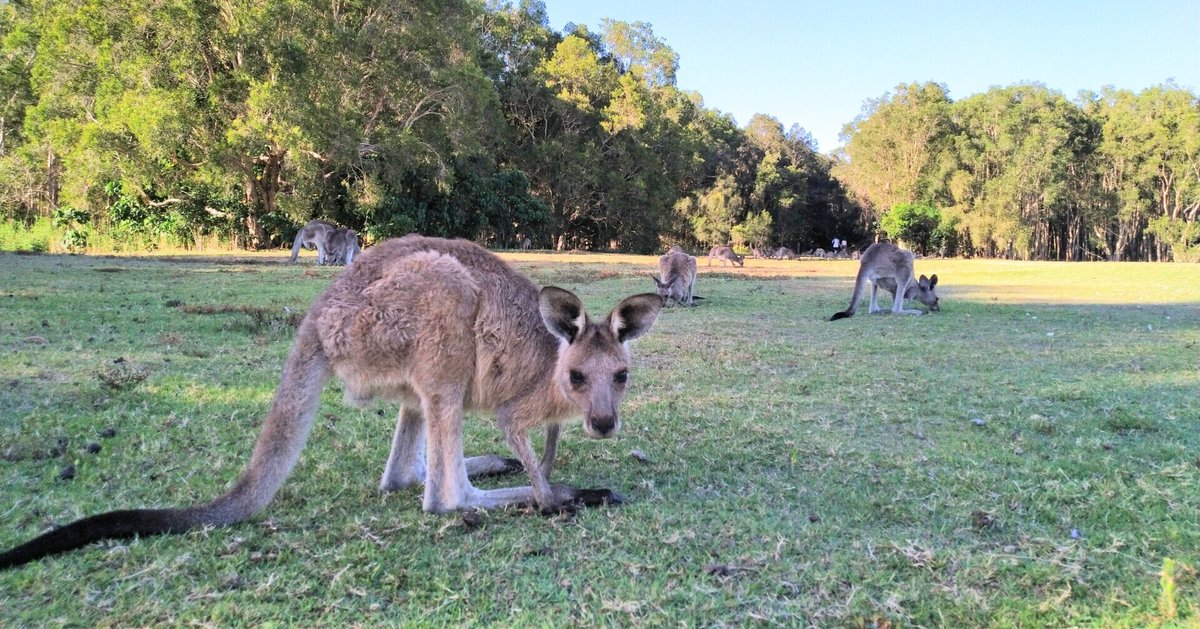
(456, 118)
(241, 120)
(1021, 171)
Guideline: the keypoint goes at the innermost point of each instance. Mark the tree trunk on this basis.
(262, 185)
(52, 167)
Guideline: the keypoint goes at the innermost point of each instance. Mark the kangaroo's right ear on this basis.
(657, 282)
(562, 312)
(634, 316)
(933, 280)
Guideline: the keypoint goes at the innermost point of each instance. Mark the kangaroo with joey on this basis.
(884, 265)
(678, 277)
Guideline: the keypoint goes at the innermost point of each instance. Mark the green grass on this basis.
(1030, 456)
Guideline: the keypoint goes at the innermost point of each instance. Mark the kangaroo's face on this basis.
(593, 372)
(663, 288)
(925, 292)
(593, 363)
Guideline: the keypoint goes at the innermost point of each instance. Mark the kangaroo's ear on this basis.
(634, 316)
(562, 312)
(923, 282)
(657, 282)
(933, 280)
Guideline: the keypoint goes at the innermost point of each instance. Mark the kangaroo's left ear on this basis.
(562, 312)
(634, 316)
(933, 280)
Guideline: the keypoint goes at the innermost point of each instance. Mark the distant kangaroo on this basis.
(783, 253)
(725, 254)
(440, 326)
(678, 271)
(885, 261)
(314, 235)
(341, 246)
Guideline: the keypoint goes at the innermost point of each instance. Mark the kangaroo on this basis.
(725, 254)
(314, 234)
(924, 286)
(678, 271)
(440, 326)
(341, 246)
(783, 253)
(885, 261)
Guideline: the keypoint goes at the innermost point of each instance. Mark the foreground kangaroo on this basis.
(678, 271)
(725, 254)
(440, 326)
(884, 264)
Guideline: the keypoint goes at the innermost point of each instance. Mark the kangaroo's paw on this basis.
(598, 497)
(571, 499)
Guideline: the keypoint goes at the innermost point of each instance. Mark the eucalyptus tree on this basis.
(1013, 168)
(1150, 165)
(22, 187)
(892, 148)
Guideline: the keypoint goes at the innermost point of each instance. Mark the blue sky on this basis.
(814, 63)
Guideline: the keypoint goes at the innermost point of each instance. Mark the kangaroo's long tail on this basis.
(860, 286)
(296, 244)
(276, 451)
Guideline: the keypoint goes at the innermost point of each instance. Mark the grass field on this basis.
(1030, 456)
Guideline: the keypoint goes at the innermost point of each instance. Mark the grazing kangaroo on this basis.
(440, 326)
(725, 254)
(923, 286)
(783, 253)
(314, 234)
(341, 246)
(885, 260)
(678, 271)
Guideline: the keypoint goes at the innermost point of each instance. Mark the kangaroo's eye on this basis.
(577, 377)
(621, 377)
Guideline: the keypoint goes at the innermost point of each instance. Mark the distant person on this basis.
(836, 242)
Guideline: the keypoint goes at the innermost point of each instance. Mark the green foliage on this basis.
(37, 236)
(1181, 237)
(1026, 173)
(244, 122)
(755, 231)
(892, 148)
(914, 225)
(72, 223)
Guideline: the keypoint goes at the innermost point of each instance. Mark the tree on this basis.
(892, 147)
(715, 212)
(1150, 161)
(645, 56)
(1011, 168)
(755, 231)
(912, 224)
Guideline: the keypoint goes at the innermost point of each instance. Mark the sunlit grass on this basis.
(1027, 457)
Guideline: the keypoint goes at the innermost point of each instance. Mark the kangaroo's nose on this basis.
(603, 426)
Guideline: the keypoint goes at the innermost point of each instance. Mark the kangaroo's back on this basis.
(442, 289)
